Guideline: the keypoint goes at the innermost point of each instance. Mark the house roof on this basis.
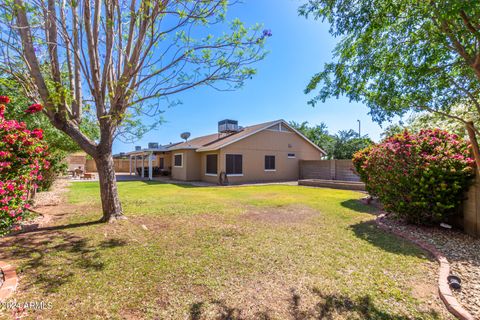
(216, 141)
(161, 148)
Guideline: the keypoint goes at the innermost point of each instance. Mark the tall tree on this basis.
(401, 55)
(318, 134)
(347, 142)
(339, 146)
(120, 59)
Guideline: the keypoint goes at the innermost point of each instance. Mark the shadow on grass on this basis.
(181, 184)
(327, 306)
(368, 231)
(35, 229)
(51, 257)
(356, 205)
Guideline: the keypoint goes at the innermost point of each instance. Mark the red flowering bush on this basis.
(22, 159)
(34, 108)
(419, 177)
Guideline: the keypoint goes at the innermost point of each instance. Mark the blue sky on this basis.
(298, 49)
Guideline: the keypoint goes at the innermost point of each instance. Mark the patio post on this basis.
(130, 165)
(135, 164)
(150, 170)
(143, 166)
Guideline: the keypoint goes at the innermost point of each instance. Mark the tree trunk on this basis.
(111, 206)
(473, 140)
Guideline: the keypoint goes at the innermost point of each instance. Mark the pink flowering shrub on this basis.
(22, 159)
(419, 177)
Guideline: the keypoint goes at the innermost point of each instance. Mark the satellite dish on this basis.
(185, 135)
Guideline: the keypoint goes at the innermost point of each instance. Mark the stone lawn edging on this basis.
(443, 288)
(10, 280)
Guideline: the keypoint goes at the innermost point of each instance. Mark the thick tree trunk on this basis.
(112, 208)
(474, 142)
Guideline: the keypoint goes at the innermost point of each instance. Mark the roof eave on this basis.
(182, 148)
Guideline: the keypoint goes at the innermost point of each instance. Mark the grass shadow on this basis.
(326, 307)
(53, 256)
(181, 184)
(368, 231)
(358, 206)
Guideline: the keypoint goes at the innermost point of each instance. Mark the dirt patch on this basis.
(425, 290)
(51, 206)
(280, 215)
(155, 224)
(294, 298)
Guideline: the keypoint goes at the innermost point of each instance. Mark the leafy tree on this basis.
(432, 121)
(340, 146)
(347, 142)
(392, 129)
(60, 144)
(428, 120)
(120, 60)
(57, 141)
(401, 55)
(318, 134)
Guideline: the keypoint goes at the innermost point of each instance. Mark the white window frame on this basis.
(289, 155)
(212, 174)
(233, 174)
(174, 155)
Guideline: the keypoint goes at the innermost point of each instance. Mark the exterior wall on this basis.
(190, 169)
(193, 165)
(276, 143)
(328, 170)
(77, 160)
(167, 160)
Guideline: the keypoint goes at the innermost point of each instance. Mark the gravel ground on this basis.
(463, 253)
(52, 197)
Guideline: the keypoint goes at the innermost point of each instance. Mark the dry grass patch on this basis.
(296, 213)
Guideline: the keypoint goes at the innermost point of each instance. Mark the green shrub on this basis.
(419, 177)
(57, 167)
(22, 161)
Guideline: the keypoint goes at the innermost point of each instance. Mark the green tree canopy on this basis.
(339, 146)
(57, 141)
(428, 120)
(318, 134)
(401, 55)
(347, 142)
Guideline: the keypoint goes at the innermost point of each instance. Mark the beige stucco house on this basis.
(268, 151)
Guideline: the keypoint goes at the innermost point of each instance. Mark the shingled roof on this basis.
(217, 141)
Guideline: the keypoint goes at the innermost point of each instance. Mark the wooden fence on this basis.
(121, 165)
(342, 170)
(471, 210)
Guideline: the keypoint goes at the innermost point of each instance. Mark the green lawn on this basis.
(253, 252)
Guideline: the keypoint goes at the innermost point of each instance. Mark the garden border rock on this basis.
(10, 280)
(443, 288)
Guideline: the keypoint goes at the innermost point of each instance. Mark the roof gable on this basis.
(279, 125)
